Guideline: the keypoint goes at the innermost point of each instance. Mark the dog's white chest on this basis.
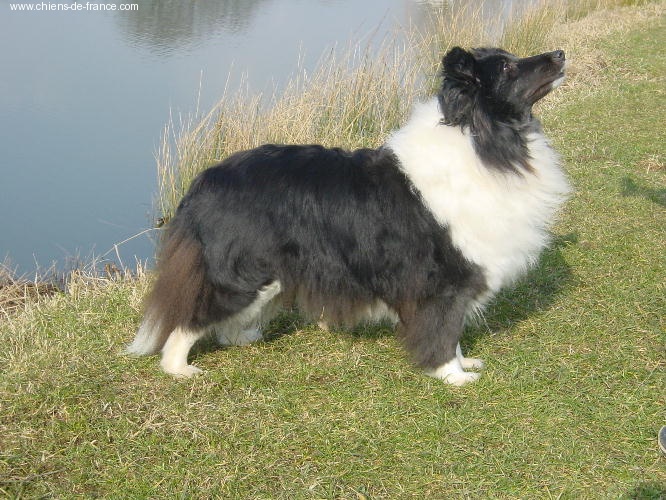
(499, 221)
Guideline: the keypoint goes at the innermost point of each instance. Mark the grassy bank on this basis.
(568, 406)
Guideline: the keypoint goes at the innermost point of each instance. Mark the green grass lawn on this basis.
(568, 407)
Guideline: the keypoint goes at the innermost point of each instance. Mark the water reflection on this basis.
(167, 26)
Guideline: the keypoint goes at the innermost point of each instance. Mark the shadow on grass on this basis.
(291, 321)
(646, 491)
(535, 292)
(629, 187)
(287, 322)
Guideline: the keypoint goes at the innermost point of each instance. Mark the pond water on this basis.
(84, 97)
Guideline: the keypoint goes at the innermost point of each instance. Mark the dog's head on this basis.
(505, 86)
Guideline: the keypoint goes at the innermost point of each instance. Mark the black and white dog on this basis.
(426, 229)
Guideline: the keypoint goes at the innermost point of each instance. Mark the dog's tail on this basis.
(175, 296)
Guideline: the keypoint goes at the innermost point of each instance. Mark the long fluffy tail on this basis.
(174, 298)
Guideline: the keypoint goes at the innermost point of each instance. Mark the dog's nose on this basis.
(558, 55)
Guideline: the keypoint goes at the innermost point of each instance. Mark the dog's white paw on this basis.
(181, 371)
(453, 373)
(461, 378)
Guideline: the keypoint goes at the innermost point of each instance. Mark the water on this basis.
(84, 97)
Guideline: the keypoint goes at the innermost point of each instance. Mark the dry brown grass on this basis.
(580, 36)
(653, 163)
(17, 293)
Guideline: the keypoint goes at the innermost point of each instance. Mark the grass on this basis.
(568, 407)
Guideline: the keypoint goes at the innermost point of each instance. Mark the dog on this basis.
(425, 229)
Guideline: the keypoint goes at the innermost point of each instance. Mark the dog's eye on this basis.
(509, 69)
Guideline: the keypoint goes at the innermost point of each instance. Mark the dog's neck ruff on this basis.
(498, 220)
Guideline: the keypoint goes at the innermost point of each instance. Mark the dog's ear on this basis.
(459, 87)
(459, 64)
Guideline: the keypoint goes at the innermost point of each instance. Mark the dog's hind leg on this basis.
(238, 329)
(176, 349)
